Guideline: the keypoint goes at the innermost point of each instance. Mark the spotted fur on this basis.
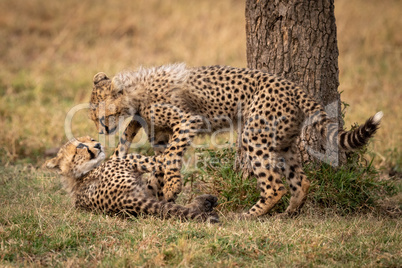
(116, 186)
(269, 111)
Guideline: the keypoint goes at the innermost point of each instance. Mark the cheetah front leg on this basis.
(183, 134)
(125, 141)
(155, 181)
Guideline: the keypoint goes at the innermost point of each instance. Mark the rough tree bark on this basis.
(297, 39)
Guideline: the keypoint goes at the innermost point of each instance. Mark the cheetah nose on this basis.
(98, 146)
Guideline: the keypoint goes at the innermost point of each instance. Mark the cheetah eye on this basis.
(80, 146)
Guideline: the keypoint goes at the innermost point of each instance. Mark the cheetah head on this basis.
(106, 104)
(77, 157)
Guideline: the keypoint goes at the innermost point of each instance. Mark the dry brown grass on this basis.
(50, 51)
(38, 227)
(370, 64)
(50, 56)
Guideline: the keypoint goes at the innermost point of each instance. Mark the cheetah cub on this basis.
(115, 186)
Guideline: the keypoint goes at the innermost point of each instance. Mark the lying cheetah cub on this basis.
(115, 187)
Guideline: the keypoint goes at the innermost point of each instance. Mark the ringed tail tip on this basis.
(377, 117)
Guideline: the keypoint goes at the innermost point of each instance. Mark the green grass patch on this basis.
(348, 189)
(215, 173)
(351, 188)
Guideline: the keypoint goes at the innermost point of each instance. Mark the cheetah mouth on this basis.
(91, 164)
(101, 154)
(99, 159)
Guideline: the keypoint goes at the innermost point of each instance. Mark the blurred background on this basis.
(50, 50)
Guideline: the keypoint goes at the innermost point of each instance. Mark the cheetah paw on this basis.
(213, 217)
(205, 202)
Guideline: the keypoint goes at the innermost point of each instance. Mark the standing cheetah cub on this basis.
(115, 186)
(174, 102)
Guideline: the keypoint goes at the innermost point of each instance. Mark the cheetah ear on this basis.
(100, 77)
(122, 81)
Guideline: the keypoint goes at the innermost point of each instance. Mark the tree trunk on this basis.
(296, 39)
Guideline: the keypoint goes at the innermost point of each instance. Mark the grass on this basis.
(47, 61)
(39, 227)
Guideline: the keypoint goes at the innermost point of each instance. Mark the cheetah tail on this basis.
(351, 140)
(344, 140)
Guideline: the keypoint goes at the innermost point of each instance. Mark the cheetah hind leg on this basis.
(298, 193)
(297, 180)
(201, 209)
(271, 191)
(205, 203)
